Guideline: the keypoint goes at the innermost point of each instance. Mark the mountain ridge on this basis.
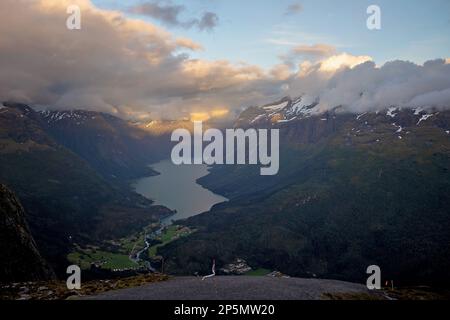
(67, 197)
(351, 191)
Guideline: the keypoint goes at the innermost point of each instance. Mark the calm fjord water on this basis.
(176, 188)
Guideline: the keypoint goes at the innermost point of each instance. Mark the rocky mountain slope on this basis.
(63, 176)
(20, 259)
(115, 148)
(353, 190)
(282, 111)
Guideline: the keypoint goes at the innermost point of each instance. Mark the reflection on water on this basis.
(176, 188)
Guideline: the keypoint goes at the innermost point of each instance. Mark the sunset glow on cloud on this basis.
(130, 66)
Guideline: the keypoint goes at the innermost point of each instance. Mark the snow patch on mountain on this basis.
(276, 107)
(400, 128)
(361, 115)
(417, 111)
(390, 112)
(258, 118)
(55, 116)
(286, 111)
(302, 106)
(287, 120)
(425, 117)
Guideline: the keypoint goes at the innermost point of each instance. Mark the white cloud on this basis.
(336, 62)
(366, 87)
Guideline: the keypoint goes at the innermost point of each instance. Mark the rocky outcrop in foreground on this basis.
(241, 288)
(20, 260)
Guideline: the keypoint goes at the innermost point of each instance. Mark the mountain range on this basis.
(71, 171)
(353, 190)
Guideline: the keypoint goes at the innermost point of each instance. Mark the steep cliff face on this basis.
(19, 258)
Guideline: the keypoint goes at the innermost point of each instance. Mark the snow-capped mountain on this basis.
(284, 110)
(288, 110)
(77, 115)
(301, 121)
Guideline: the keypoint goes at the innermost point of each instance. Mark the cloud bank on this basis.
(113, 64)
(362, 86)
(131, 68)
